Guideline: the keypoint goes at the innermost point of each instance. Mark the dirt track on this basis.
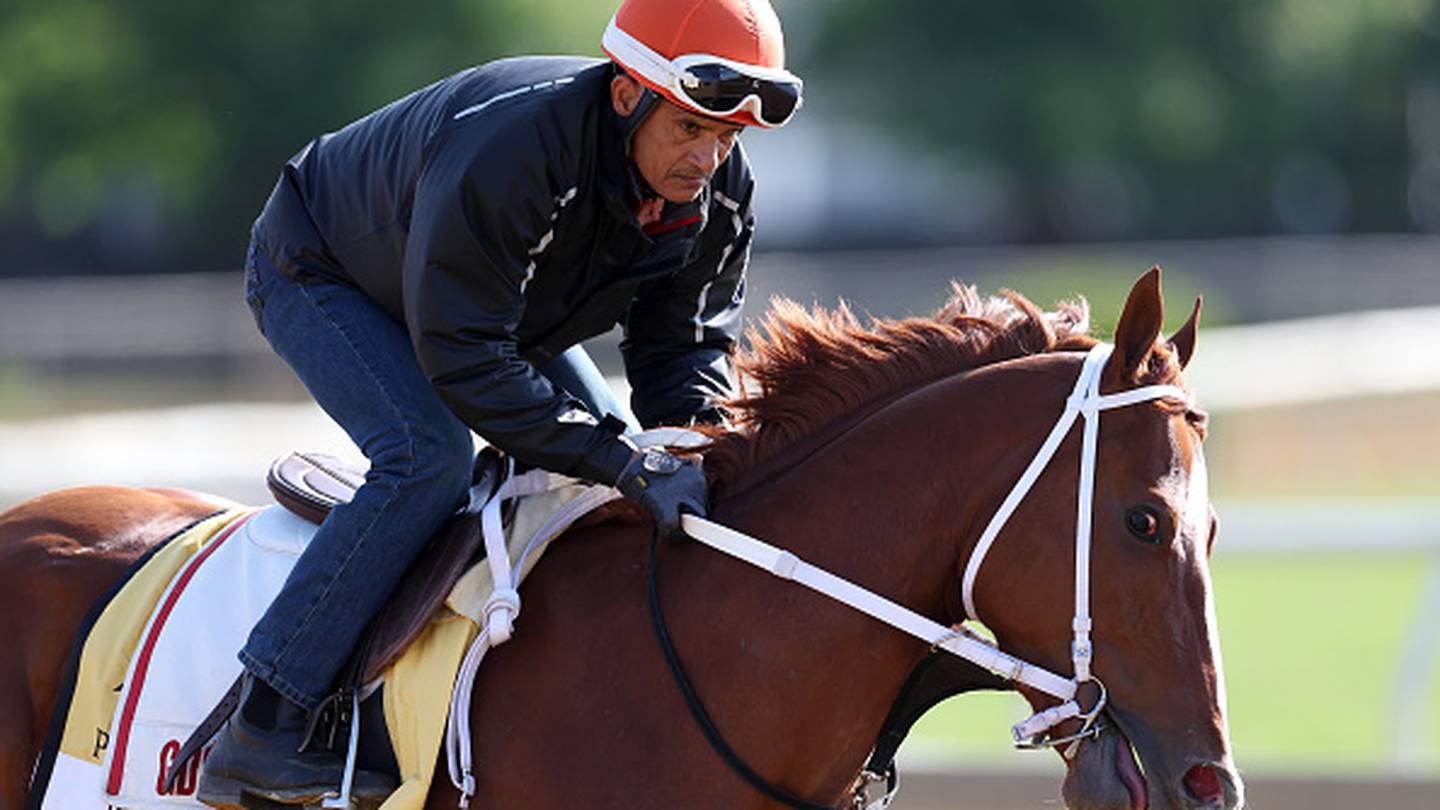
(989, 791)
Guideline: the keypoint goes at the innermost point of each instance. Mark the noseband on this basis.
(1085, 400)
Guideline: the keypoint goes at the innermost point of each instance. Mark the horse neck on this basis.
(896, 499)
(884, 503)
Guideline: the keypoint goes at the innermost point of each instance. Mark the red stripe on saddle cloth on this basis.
(142, 665)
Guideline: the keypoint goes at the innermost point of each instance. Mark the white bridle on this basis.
(1085, 400)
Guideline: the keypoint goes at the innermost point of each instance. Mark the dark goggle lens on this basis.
(722, 90)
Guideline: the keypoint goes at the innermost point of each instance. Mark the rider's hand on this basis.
(666, 485)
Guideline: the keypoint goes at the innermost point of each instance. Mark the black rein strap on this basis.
(697, 709)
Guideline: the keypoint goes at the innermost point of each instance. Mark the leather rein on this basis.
(1084, 401)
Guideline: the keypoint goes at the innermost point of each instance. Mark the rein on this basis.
(1085, 400)
(697, 709)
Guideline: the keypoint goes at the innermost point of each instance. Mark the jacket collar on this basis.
(673, 216)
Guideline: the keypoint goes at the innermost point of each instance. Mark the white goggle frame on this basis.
(674, 75)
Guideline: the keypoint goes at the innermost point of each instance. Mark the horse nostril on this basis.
(1203, 785)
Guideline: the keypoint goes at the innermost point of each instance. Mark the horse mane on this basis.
(804, 369)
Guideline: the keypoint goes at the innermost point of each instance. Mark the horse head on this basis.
(1161, 740)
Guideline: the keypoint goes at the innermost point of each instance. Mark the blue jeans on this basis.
(358, 363)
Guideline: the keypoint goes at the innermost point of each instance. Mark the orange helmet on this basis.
(721, 58)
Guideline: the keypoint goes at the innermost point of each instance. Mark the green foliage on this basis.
(144, 135)
(1218, 118)
(159, 128)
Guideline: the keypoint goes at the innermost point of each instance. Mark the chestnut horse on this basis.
(878, 453)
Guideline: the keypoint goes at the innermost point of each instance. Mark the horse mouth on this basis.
(1105, 774)
(1127, 768)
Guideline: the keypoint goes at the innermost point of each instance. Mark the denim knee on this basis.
(429, 462)
(446, 459)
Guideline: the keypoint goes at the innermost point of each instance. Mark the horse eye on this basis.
(1143, 524)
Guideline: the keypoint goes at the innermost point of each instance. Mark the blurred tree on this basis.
(140, 135)
(135, 132)
(1125, 118)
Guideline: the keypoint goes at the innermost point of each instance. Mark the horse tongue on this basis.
(1129, 773)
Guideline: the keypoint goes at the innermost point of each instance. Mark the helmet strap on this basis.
(629, 124)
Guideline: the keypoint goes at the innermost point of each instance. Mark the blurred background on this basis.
(1280, 157)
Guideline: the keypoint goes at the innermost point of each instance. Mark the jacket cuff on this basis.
(604, 463)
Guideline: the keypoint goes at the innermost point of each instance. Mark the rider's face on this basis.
(677, 151)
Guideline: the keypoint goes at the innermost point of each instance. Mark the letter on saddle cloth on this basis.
(311, 484)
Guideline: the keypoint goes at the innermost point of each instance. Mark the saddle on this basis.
(311, 484)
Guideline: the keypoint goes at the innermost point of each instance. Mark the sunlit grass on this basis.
(1311, 647)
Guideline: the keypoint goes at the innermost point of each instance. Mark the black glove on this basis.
(666, 485)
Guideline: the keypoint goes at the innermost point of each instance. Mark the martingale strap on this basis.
(786, 565)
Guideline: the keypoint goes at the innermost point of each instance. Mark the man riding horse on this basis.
(430, 270)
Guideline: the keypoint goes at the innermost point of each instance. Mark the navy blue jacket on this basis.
(493, 213)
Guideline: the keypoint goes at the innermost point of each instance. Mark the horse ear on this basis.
(1140, 323)
(1183, 341)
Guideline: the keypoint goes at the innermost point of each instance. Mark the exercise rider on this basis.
(430, 270)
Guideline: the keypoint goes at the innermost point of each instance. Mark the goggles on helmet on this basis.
(711, 85)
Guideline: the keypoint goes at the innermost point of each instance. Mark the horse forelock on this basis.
(806, 368)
